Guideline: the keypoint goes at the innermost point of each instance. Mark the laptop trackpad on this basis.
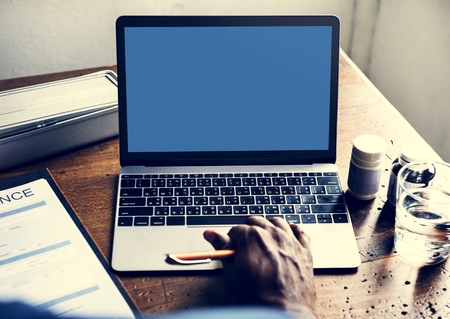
(195, 240)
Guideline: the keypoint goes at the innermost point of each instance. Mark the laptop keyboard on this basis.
(229, 199)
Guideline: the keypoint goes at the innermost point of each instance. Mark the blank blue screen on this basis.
(228, 88)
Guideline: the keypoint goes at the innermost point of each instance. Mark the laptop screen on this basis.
(247, 87)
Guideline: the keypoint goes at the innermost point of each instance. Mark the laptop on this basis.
(222, 118)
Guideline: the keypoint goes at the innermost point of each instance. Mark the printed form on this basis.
(46, 262)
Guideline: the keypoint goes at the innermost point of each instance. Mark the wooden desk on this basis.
(384, 285)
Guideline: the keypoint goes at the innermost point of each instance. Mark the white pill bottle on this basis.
(366, 166)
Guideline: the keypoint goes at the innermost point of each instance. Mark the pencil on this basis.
(212, 254)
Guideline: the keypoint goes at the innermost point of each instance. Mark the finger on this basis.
(301, 236)
(217, 239)
(258, 221)
(281, 223)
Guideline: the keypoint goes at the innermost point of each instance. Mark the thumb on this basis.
(216, 239)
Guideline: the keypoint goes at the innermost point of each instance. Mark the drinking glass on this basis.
(422, 221)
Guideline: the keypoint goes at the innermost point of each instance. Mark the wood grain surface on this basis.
(383, 286)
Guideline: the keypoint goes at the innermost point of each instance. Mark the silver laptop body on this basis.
(221, 118)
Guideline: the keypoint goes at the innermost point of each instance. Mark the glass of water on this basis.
(422, 221)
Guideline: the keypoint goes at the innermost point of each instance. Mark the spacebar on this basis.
(216, 220)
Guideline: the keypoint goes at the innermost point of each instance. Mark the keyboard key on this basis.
(309, 180)
(131, 192)
(216, 200)
(132, 201)
(175, 221)
(302, 209)
(247, 200)
(150, 192)
(308, 199)
(287, 209)
(255, 175)
(285, 174)
(182, 191)
(225, 210)
(196, 191)
(177, 210)
(271, 209)
(203, 182)
(158, 182)
(327, 181)
(258, 190)
(256, 210)
(185, 201)
(270, 174)
(135, 211)
(240, 175)
(314, 174)
(292, 219)
(166, 176)
(201, 200)
(153, 201)
(157, 221)
(141, 221)
(273, 190)
(242, 191)
(264, 181)
(303, 190)
(193, 210)
(262, 200)
(332, 208)
(164, 191)
(234, 182)
(219, 182)
(324, 218)
(318, 189)
(226, 175)
(188, 182)
(294, 181)
(226, 191)
(174, 182)
(293, 199)
(334, 190)
(340, 218)
(161, 211)
(249, 181)
(301, 174)
(308, 219)
(209, 210)
(143, 183)
(240, 210)
(212, 191)
(330, 199)
(231, 200)
(216, 220)
(131, 176)
(127, 183)
(330, 174)
(125, 221)
(278, 200)
(287, 190)
(279, 181)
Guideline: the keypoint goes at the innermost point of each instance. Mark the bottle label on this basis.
(363, 182)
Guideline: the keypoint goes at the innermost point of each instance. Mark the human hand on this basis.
(272, 265)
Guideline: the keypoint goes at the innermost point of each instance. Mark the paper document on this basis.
(47, 263)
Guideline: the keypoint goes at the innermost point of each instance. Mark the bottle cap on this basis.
(369, 148)
(414, 152)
